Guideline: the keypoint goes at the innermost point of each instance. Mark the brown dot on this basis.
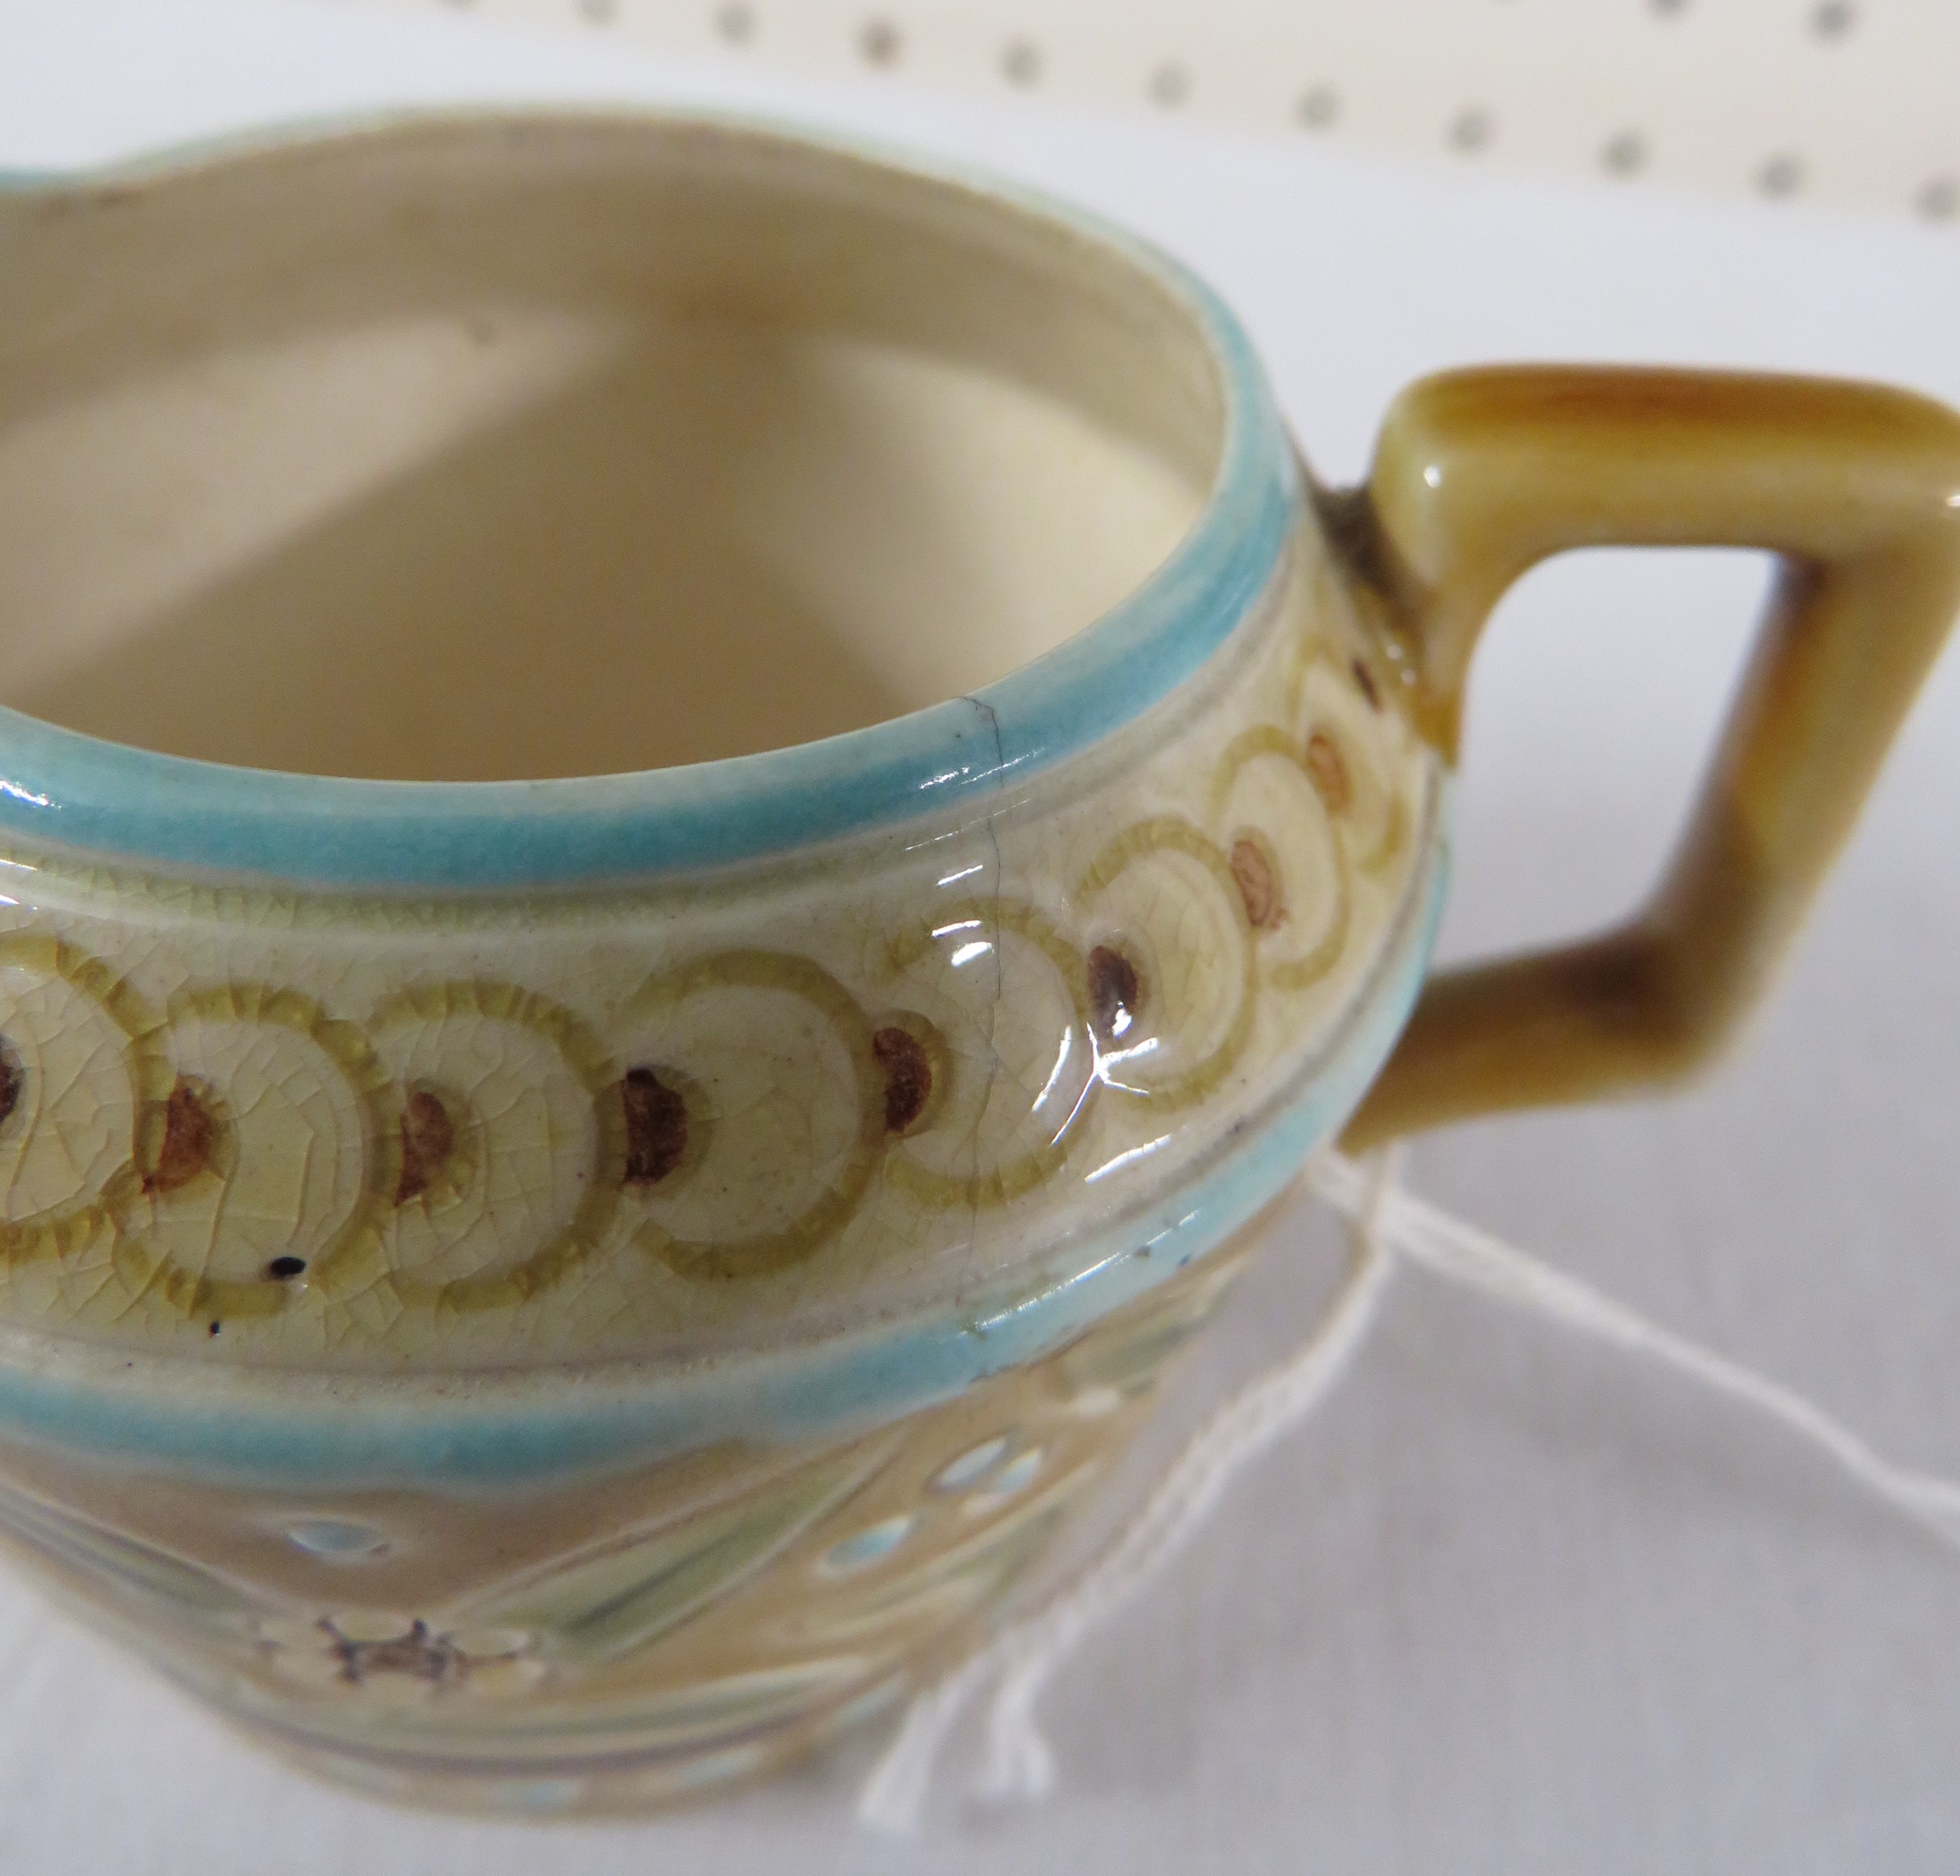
(1259, 885)
(1327, 768)
(907, 1075)
(1365, 679)
(1114, 993)
(656, 1127)
(735, 22)
(13, 1080)
(879, 43)
(190, 1138)
(428, 1138)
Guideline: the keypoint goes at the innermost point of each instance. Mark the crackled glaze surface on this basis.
(295, 1129)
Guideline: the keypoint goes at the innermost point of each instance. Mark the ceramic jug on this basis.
(693, 823)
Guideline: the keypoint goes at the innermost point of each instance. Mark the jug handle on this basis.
(1479, 475)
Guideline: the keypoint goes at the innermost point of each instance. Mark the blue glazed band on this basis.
(58, 787)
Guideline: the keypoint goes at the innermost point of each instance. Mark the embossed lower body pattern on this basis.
(619, 1642)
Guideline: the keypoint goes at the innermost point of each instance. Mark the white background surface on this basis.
(1509, 1605)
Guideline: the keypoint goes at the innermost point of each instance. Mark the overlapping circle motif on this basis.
(774, 1055)
(1197, 991)
(86, 1064)
(508, 1166)
(474, 1141)
(1012, 1107)
(290, 1120)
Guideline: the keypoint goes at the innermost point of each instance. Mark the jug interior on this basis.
(468, 451)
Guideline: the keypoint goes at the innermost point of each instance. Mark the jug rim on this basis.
(66, 788)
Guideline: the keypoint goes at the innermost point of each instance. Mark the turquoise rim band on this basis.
(60, 787)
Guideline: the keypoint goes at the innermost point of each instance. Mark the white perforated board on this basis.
(1850, 100)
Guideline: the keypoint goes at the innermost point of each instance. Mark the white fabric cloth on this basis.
(1019, 1660)
(1506, 1604)
(1388, 1229)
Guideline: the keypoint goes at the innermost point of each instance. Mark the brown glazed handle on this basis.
(1479, 475)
